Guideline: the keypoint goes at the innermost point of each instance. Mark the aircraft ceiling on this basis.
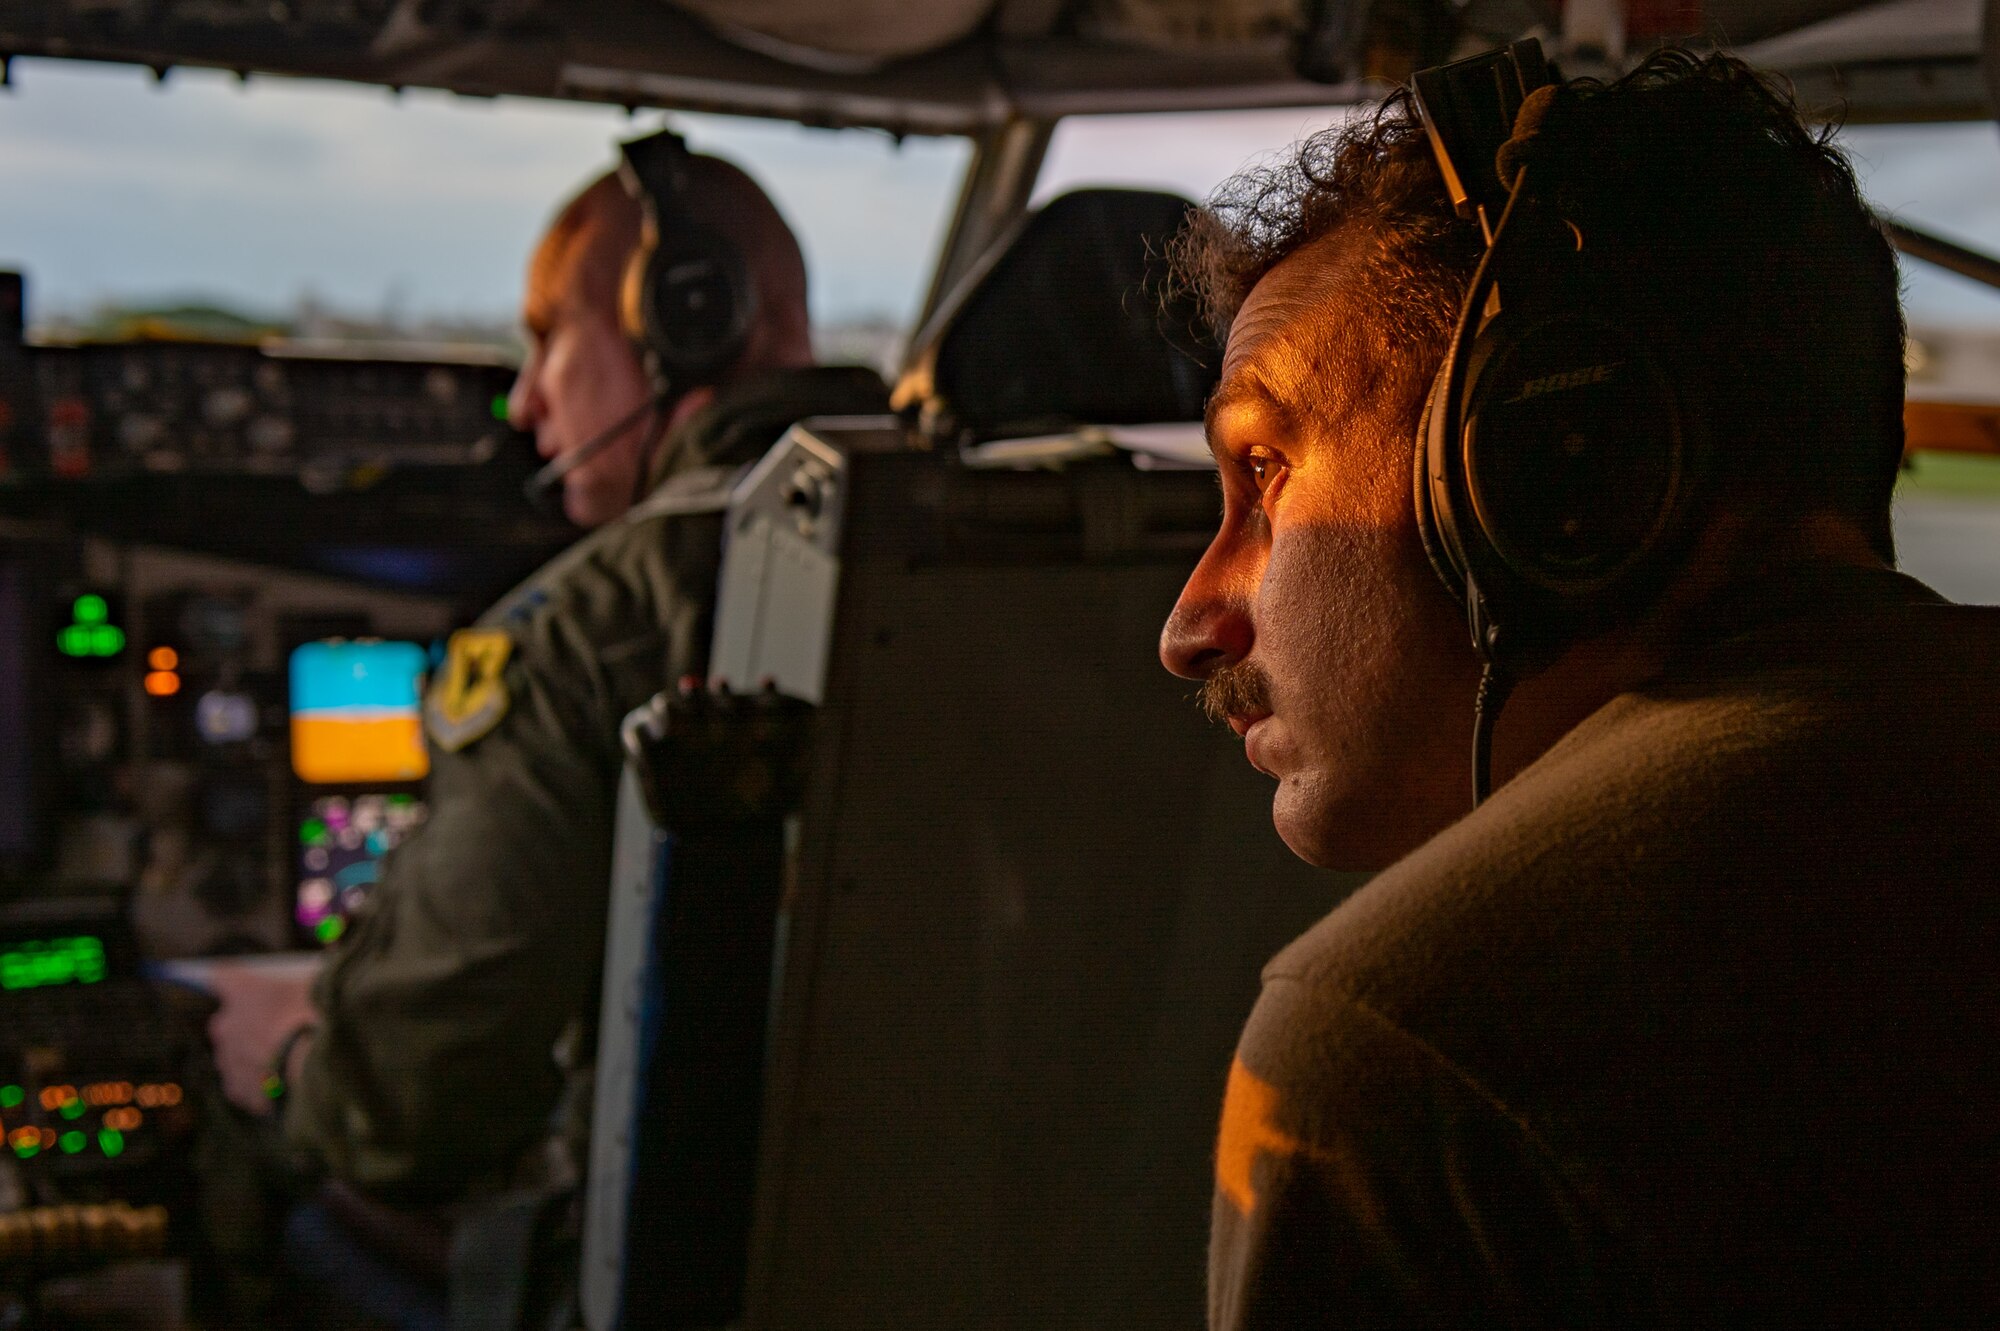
(963, 66)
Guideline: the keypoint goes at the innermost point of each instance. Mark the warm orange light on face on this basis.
(163, 683)
(163, 658)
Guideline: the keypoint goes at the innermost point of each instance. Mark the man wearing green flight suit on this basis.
(419, 1062)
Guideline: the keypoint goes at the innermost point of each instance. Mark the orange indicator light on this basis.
(163, 683)
(108, 1093)
(163, 658)
(150, 1096)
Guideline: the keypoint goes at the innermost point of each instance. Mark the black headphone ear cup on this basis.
(1576, 457)
(694, 304)
(1438, 545)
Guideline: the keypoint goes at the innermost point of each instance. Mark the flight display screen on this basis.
(40, 963)
(342, 840)
(355, 712)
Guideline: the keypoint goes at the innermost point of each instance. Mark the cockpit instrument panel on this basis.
(342, 840)
(155, 407)
(88, 1075)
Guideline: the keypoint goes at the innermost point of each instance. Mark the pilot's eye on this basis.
(1264, 468)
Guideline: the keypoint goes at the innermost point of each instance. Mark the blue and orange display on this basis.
(355, 714)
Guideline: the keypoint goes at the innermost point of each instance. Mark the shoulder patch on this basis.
(469, 696)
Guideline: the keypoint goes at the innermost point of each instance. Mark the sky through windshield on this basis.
(425, 204)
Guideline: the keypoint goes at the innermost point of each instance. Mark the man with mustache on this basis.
(1693, 1021)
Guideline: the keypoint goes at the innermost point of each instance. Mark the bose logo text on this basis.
(1556, 383)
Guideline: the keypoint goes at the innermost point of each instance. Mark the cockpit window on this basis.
(326, 210)
(1189, 153)
(1945, 179)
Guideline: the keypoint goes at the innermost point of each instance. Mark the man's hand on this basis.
(262, 1004)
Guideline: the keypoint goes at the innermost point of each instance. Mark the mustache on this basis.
(1234, 691)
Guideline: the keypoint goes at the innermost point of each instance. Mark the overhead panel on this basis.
(855, 36)
(967, 66)
(1900, 60)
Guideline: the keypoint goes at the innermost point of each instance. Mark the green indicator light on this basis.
(499, 406)
(27, 1147)
(11, 1096)
(329, 929)
(274, 1086)
(312, 832)
(72, 1142)
(72, 1109)
(92, 633)
(33, 965)
(111, 1141)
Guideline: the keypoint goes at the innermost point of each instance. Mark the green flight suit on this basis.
(434, 1067)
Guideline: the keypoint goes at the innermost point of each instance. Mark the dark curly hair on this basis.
(1731, 234)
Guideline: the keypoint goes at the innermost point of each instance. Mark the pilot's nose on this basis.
(524, 400)
(1210, 627)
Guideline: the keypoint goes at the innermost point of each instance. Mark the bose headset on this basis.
(687, 300)
(1557, 464)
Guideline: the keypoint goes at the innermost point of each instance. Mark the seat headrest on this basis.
(1062, 325)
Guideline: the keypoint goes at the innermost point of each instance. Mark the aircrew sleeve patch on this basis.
(469, 695)
(1249, 1130)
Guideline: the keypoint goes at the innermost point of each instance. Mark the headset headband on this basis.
(654, 171)
(1557, 462)
(1469, 109)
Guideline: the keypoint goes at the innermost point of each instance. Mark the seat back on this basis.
(1067, 322)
